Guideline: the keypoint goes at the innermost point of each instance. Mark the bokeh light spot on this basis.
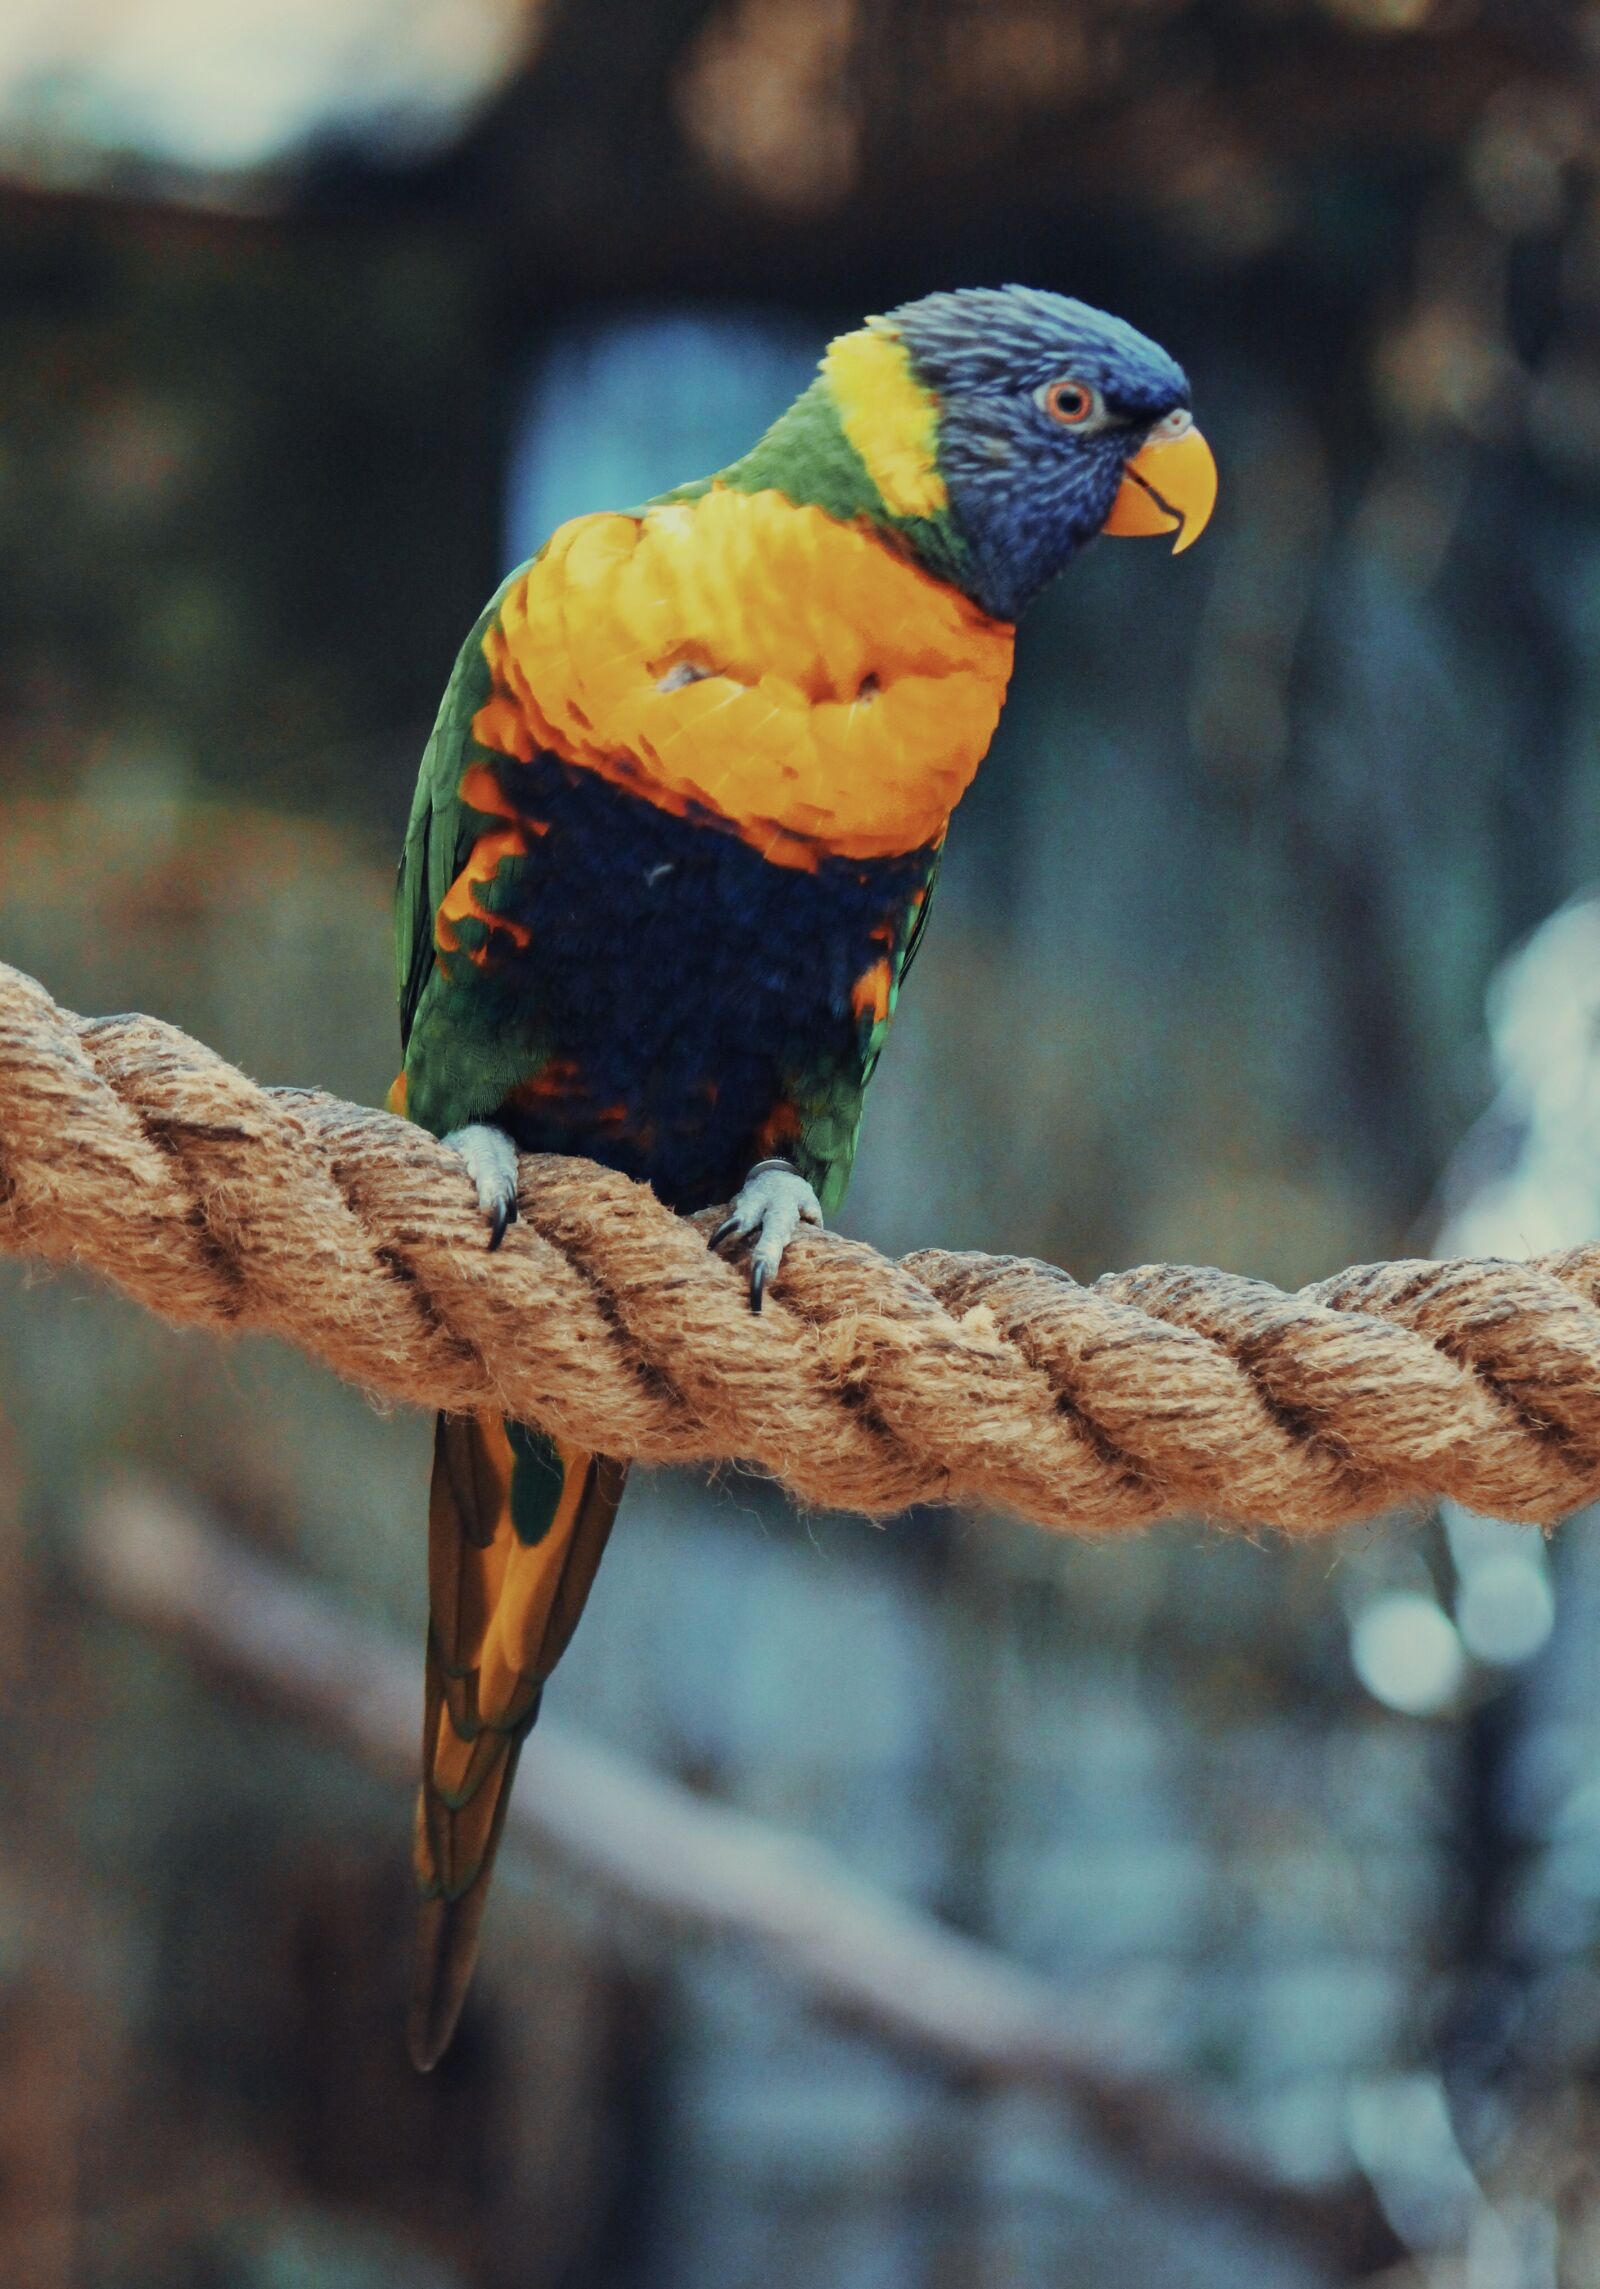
(1506, 1608)
(1407, 1653)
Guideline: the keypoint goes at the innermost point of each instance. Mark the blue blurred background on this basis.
(314, 320)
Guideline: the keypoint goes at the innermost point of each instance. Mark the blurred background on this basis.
(315, 316)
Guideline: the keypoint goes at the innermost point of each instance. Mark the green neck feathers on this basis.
(859, 444)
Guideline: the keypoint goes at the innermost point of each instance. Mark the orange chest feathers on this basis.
(738, 658)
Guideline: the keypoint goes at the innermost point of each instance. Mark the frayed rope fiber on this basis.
(864, 1385)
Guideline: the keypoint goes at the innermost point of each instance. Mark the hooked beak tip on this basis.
(1170, 486)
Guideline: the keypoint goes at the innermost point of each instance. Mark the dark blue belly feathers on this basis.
(672, 985)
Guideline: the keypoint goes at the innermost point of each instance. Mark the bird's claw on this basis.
(491, 1159)
(772, 1204)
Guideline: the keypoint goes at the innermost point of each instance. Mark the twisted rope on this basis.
(865, 1384)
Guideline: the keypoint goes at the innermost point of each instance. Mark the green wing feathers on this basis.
(517, 1524)
(439, 831)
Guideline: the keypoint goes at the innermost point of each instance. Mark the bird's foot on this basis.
(491, 1160)
(773, 1202)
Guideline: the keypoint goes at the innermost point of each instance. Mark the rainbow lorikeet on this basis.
(671, 855)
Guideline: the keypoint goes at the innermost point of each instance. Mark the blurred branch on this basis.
(701, 1869)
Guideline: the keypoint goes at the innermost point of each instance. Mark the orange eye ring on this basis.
(1069, 402)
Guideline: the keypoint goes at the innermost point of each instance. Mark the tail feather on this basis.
(517, 1525)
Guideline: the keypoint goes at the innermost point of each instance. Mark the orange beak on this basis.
(1170, 486)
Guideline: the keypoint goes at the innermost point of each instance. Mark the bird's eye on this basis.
(1072, 403)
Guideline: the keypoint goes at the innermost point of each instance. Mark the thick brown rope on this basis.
(865, 1384)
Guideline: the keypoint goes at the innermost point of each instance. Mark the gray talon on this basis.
(491, 1160)
(772, 1204)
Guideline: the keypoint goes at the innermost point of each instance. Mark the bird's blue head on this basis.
(1012, 426)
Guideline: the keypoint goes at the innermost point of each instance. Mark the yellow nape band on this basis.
(890, 419)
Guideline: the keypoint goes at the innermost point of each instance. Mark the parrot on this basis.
(671, 856)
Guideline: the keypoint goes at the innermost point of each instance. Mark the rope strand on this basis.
(864, 1385)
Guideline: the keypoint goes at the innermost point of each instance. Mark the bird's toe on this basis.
(491, 1159)
(772, 1204)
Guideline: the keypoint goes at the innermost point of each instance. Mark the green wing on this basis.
(914, 941)
(467, 1042)
(440, 833)
(828, 1097)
